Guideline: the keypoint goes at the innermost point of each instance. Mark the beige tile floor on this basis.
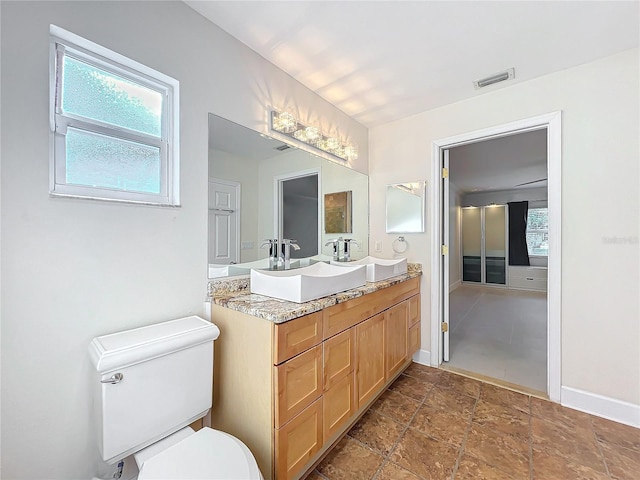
(434, 424)
(500, 333)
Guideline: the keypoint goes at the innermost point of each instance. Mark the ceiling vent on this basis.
(282, 147)
(495, 78)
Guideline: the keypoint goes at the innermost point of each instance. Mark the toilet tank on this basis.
(162, 381)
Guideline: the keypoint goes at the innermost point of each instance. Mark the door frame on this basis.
(553, 123)
(277, 204)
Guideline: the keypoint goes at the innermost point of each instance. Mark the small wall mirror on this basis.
(405, 207)
(337, 212)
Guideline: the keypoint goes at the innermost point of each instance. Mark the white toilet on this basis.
(152, 383)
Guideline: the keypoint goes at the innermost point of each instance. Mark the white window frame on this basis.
(63, 43)
(532, 230)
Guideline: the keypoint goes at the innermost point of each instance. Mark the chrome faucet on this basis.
(285, 253)
(336, 247)
(272, 243)
(346, 257)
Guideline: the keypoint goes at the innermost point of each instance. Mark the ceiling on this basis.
(506, 163)
(379, 61)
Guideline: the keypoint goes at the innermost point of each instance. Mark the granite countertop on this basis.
(235, 294)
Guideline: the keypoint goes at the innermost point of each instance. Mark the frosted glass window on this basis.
(114, 124)
(99, 95)
(538, 232)
(100, 161)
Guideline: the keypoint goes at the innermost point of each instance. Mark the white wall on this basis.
(455, 252)
(243, 170)
(600, 171)
(74, 269)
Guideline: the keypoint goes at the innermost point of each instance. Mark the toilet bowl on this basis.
(206, 454)
(152, 383)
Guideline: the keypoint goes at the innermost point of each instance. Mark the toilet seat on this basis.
(207, 454)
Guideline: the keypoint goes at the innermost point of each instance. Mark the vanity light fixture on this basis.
(287, 124)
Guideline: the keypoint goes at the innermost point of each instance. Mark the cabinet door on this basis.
(298, 441)
(298, 382)
(414, 339)
(338, 405)
(369, 358)
(339, 357)
(396, 333)
(414, 310)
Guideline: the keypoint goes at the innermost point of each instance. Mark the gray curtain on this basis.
(518, 251)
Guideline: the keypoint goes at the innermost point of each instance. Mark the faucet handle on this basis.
(268, 242)
(292, 243)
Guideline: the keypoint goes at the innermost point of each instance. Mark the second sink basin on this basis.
(379, 268)
(307, 283)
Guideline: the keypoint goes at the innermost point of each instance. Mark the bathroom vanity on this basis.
(291, 379)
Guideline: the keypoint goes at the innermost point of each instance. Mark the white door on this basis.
(445, 256)
(224, 222)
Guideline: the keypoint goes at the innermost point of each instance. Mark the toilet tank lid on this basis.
(123, 349)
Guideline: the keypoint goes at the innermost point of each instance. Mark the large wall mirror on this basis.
(262, 188)
(405, 207)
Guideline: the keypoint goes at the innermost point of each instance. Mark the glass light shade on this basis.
(285, 122)
(312, 134)
(331, 144)
(301, 135)
(351, 152)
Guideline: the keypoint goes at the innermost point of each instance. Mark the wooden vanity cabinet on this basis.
(396, 348)
(370, 372)
(291, 390)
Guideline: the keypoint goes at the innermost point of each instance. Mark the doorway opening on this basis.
(490, 276)
(299, 211)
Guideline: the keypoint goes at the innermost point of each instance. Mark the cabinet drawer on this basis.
(528, 283)
(298, 441)
(344, 315)
(414, 310)
(414, 339)
(338, 405)
(338, 357)
(296, 336)
(298, 382)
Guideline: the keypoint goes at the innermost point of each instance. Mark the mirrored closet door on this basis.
(484, 244)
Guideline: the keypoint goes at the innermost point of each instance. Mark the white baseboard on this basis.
(606, 407)
(454, 285)
(423, 357)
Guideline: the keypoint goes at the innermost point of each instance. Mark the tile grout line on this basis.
(468, 312)
(463, 445)
(386, 458)
(406, 427)
(600, 450)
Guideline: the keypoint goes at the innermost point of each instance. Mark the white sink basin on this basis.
(307, 283)
(379, 268)
(245, 268)
(216, 271)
